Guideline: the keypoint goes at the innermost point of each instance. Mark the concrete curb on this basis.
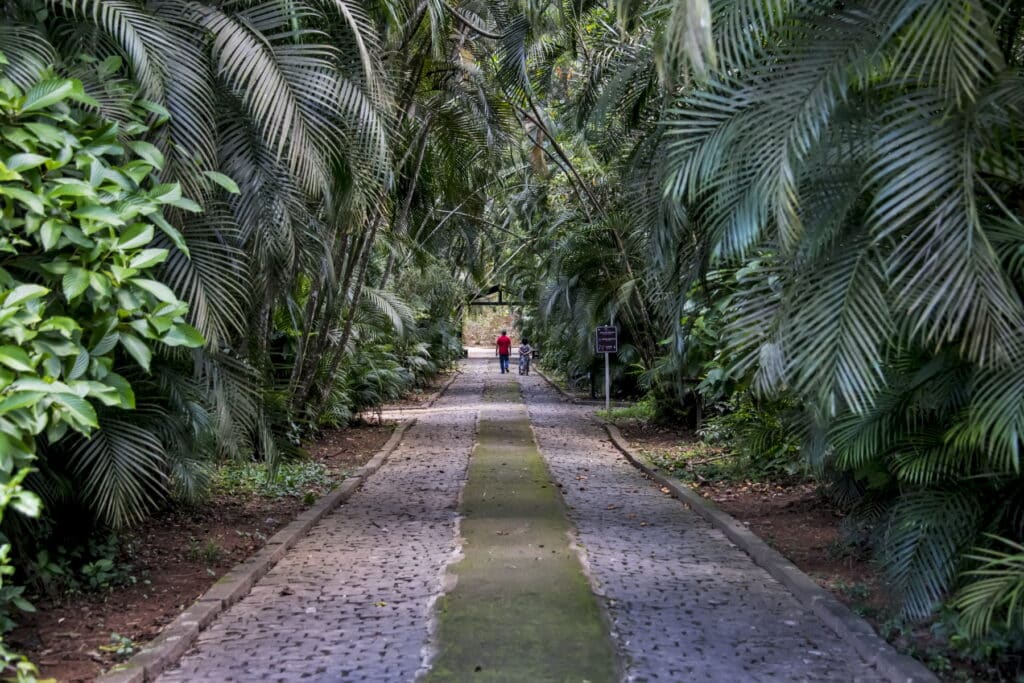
(440, 392)
(179, 635)
(847, 625)
(565, 394)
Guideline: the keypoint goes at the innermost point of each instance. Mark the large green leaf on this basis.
(49, 92)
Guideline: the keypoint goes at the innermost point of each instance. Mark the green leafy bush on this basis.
(77, 223)
(79, 209)
(763, 437)
(292, 479)
(644, 410)
(74, 251)
(98, 564)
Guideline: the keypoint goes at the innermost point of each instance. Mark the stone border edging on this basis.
(565, 394)
(178, 636)
(894, 666)
(440, 392)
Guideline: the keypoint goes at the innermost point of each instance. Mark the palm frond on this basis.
(838, 327)
(995, 589)
(120, 468)
(28, 53)
(921, 549)
(288, 110)
(144, 39)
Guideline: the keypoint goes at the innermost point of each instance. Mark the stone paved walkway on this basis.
(686, 604)
(354, 599)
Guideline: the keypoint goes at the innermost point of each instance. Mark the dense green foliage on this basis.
(243, 221)
(76, 247)
(334, 158)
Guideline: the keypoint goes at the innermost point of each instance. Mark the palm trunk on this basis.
(350, 314)
(402, 217)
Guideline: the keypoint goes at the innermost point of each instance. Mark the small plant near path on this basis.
(121, 647)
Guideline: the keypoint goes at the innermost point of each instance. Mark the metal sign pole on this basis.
(607, 384)
(608, 373)
(606, 341)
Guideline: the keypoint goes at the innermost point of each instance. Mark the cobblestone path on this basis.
(685, 603)
(352, 600)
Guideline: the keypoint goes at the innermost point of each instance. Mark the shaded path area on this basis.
(356, 599)
(352, 600)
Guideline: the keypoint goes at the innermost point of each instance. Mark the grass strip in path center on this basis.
(522, 609)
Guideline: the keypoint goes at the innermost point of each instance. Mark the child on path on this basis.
(524, 357)
(503, 347)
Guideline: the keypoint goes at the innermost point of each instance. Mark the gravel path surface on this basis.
(686, 604)
(352, 600)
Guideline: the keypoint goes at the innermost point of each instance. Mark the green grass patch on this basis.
(292, 479)
(698, 461)
(643, 410)
(522, 609)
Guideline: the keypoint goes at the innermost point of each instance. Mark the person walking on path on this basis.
(524, 357)
(503, 347)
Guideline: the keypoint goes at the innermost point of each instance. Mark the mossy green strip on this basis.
(522, 609)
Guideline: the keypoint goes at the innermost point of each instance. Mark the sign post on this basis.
(606, 341)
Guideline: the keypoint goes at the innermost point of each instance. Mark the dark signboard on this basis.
(607, 339)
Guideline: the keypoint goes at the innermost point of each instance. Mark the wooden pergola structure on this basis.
(481, 300)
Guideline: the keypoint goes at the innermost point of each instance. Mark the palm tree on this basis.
(274, 126)
(866, 155)
(330, 144)
(842, 181)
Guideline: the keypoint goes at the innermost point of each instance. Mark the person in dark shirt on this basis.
(503, 347)
(524, 357)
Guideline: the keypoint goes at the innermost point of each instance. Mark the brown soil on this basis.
(175, 557)
(798, 522)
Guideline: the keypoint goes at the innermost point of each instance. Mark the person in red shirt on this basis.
(503, 347)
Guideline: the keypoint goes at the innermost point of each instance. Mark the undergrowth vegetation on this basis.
(289, 479)
(223, 227)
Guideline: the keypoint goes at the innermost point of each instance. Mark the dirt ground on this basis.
(175, 557)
